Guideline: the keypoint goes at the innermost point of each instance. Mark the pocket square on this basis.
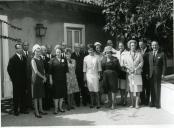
(159, 57)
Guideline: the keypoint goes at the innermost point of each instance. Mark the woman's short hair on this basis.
(58, 46)
(68, 51)
(91, 46)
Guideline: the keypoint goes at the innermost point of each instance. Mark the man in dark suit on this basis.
(49, 50)
(47, 100)
(83, 51)
(157, 63)
(79, 56)
(63, 47)
(28, 55)
(17, 71)
(145, 94)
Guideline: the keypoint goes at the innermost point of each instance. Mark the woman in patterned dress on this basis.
(92, 69)
(72, 85)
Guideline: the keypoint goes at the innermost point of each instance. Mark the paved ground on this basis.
(85, 116)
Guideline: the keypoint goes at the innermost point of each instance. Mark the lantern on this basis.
(40, 30)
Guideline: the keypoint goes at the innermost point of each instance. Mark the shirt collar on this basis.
(18, 55)
(26, 52)
(144, 50)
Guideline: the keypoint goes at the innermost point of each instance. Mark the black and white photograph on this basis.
(87, 63)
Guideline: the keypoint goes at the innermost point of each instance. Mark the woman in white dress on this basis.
(92, 69)
(134, 64)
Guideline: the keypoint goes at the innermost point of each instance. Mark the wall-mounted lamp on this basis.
(40, 31)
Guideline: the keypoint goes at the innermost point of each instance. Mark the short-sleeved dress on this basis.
(111, 70)
(92, 66)
(72, 85)
(37, 81)
(58, 69)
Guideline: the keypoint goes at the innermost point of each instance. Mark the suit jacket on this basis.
(63, 55)
(79, 62)
(83, 53)
(17, 71)
(28, 66)
(46, 60)
(158, 63)
(145, 69)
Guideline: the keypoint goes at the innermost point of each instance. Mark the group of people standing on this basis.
(68, 78)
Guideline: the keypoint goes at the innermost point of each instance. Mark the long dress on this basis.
(134, 61)
(72, 85)
(92, 66)
(37, 81)
(110, 74)
(58, 70)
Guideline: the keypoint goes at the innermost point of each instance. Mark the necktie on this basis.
(77, 54)
(26, 53)
(154, 55)
(21, 58)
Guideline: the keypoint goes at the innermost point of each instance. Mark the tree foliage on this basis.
(138, 18)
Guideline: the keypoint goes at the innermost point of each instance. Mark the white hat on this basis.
(36, 46)
(97, 43)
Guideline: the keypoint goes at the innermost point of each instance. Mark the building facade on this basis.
(66, 21)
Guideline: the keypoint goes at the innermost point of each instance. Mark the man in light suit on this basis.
(157, 66)
(17, 71)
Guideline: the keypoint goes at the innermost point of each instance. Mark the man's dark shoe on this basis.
(24, 112)
(78, 105)
(151, 105)
(16, 113)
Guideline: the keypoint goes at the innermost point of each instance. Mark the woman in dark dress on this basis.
(38, 79)
(110, 68)
(58, 69)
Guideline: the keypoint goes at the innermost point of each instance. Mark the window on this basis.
(74, 33)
